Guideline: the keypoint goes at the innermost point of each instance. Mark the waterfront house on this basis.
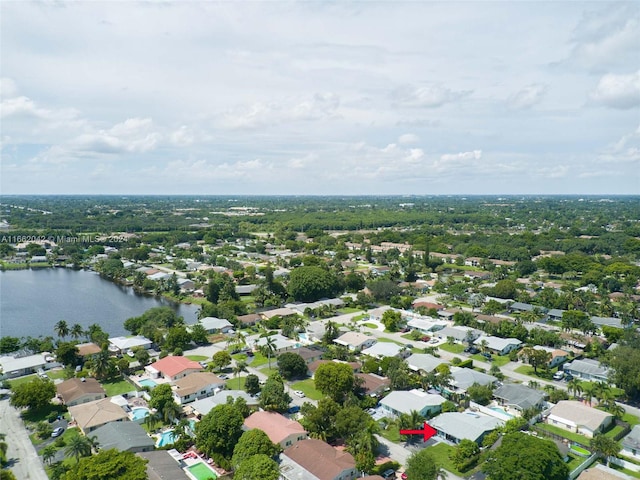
(173, 367)
(195, 386)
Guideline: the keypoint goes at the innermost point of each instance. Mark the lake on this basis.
(33, 301)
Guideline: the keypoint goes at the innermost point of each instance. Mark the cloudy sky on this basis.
(287, 97)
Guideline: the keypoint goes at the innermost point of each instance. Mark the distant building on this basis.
(280, 430)
(355, 341)
(314, 459)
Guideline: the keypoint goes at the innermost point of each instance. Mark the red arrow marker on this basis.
(427, 432)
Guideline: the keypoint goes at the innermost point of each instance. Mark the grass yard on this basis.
(612, 432)
(373, 326)
(455, 348)
(574, 462)
(345, 310)
(269, 371)
(117, 387)
(232, 383)
(498, 360)
(259, 360)
(362, 316)
(630, 419)
(56, 374)
(528, 370)
(21, 380)
(441, 453)
(575, 437)
(308, 388)
(391, 433)
(388, 340)
(197, 358)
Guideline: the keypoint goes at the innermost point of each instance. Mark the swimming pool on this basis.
(139, 413)
(166, 438)
(501, 410)
(202, 471)
(147, 382)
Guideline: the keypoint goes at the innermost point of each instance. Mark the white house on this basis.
(458, 426)
(497, 345)
(196, 386)
(587, 369)
(386, 349)
(579, 418)
(215, 325)
(122, 344)
(423, 362)
(401, 401)
(631, 443)
(355, 341)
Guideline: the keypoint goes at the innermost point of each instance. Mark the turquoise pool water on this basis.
(166, 438)
(147, 382)
(303, 336)
(501, 410)
(139, 413)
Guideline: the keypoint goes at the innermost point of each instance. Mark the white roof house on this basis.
(463, 378)
(17, 366)
(402, 401)
(501, 346)
(355, 340)
(205, 405)
(281, 342)
(587, 369)
(426, 326)
(384, 349)
(460, 333)
(213, 324)
(578, 417)
(127, 343)
(423, 362)
(457, 426)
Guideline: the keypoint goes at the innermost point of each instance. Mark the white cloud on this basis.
(132, 135)
(527, 97)
(8, 88)
(428, 96)
(625, 150)
(182, 137)
(27, 108)
(618, 91)
(408, 138)
(462, 156)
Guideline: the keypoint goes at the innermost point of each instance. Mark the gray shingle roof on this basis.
(520, 396)
(122, 436)
(465, 425)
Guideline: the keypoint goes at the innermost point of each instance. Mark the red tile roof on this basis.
(172, 366)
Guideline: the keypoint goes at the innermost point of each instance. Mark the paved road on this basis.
(26, 464)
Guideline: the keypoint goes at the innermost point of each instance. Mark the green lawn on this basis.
(269, 371)
(388, 340)
(440, 453)
(630, 419)
(612, 432)
(455, 348)
(307, 386)
(21, 380)
(391, 433)
(56, 374)
(528, 370)
(345, 310)
(362, 316)
(574, 462)
(498, 360)
(575, 437)
(232, 383)
(117, 387)
(259, 360)
(370, 325)
(197, 358)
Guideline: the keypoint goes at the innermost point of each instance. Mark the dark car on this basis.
(391, 473)
(294, 409)
(486, 355)
(472, 350)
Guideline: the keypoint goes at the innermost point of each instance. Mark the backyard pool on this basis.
(501, 410)
(139, 413)
(166, 438)
(147, 382)
(202, 472)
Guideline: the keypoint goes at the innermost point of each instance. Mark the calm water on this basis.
(33, 301)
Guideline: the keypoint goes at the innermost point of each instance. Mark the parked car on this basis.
(486, 355)
(223, 376)
(472, 350)
(57, 432)
(568, 377)
(131, 353)
(390, 473)
(559, 375)
(299, 393)
(426, 338)
(294, 409)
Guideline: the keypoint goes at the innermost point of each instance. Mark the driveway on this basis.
(23, 459)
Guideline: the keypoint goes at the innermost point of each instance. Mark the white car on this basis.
(299, 393)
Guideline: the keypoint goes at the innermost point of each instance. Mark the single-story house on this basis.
(459, 333)
(579, 418)
(631, 443)
(88, 349)
(373, 384)
(205, 405)
(309, 355)
(558, 356)
(426, 326)
(124, 437)
(159, 276)
(196, 386)
(173, 367)
(250, 319)
(313, 366)
(602, 472)
(244, 290)
(381, 350)
(13, 366)
(525, 307)
(497, 345)
(402, 401)
(607, 321)
(279, 429)
(458, 426)
(79, 390)
(91, 415)
(281, 343)
(587, 369)
(555, 314)
(186, 284)
(215, 325)
(315, 459)
(423, 362)
(162, 465)
(278, 312)
(122, 344)
(463, 378)
(315, 331)
(424, 302)
(518, 397)
(355, 341)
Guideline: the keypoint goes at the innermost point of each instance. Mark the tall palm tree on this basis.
(170, 411)
(237, 341)
(603, 391)
(78, 446)
(589, 390)
(533, 384)
(100, 363)
(152, 420)
(604, 446)
(49, 453)
(614, 409)
(575, 385)
(180, 430)
(238, 368)
(76, 331)
(93, 443)
(269, 348)
(61, 328)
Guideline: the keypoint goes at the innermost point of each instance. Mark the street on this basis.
(23, 459)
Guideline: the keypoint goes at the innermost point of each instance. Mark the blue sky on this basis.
(320, 97)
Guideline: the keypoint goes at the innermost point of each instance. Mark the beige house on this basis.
(579, 418)
(278, 428)
(317, 459)
(196, 386)
(79, 390)
(91, 415)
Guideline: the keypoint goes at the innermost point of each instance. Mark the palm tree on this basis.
(238, 368)
(101, 363)
(93, 443)
(549, 388)
(533, 384)
(604, 446)
(589, 391)
(575, 385)
(269, 348)
(237, 341)
(49, 453)
(180, 430)
(151, 421)
(76, 331)
(61, 328)
(78, 446)
(603, 391)
(170, 411)
(614, 409)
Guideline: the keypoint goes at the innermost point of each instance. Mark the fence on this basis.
(583, 466)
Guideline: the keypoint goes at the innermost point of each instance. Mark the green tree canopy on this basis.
(110, 464)
(35, 394)
(291, 365)
(335, 380)
(421, 465)
(219, 430)
(311, 283)
(525, 456)
(253, 442)
(257, 467)
(273, 397)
